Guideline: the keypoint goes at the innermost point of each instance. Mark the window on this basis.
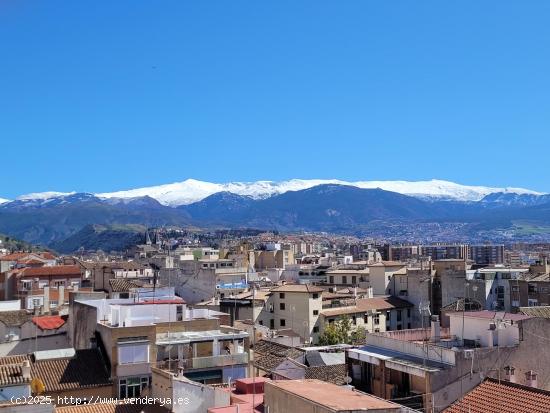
(315, 329)
(282, 296)
(366, 319)
(57, 284)
(315, 296)
(376, 319)
(133, 353)
(331, 279)
(398, 315)
(282, 306)
(408, 313)
(261, 322)
(354, 320)
(354, 279)
(26, 285)
(282, 322)
(131, 387)
(315, 312)
(344, 279)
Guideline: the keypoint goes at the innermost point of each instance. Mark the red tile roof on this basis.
(14, 257)
(51, 270)
(48, 322)
(506, 397)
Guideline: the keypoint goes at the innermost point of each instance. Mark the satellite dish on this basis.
(348, 379)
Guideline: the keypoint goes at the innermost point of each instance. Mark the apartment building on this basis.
(486, 254)
(98, 274)
(198, 281)
(29, 284)
(446, 363)
(294, 306)
(376, 314)
(350, 275)
(274, 257)
(381, 275)
(136, 335)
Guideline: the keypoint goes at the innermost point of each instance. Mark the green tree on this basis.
(330, 335)
(358, 336)
(338, 332)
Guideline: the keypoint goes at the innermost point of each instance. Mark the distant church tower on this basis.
(147, 238)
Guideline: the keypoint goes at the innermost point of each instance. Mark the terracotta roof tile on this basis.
(268, 354)
(51, 270)
(334, 373)
(112, 408)
(48, 322)
(506, 397)
(12, 374)
(14, 318)
(86, 369)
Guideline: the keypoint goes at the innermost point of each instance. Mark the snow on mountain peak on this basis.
(42, 196)
(192, 190)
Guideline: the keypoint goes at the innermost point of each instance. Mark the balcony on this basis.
(204, 362)
(218, 361)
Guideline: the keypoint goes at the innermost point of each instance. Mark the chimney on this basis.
(370, 293)
(531, 378)
(46, 305)
(61, 299)
(490, 338)
(510, 374)
(435, 329)
(26, 370)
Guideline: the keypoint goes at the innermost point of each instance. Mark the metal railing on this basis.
(203, 362)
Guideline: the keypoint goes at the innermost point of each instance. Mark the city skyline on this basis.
(93, 96)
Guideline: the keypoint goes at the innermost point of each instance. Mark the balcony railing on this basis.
(218, 361)
(204, 362)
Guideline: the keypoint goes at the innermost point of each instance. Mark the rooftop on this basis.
(539, 311)
(85, 370)
(504, 397)
(14, 318)
(112, 408)
(50, 270)
(336, 398)
(297, 288)
(368, 304)
(495, 315)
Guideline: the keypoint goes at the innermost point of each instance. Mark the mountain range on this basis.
(429, 210)
(192, 190)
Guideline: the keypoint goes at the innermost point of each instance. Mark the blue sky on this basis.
(106, 95)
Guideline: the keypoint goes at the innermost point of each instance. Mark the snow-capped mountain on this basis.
(191, 190)
(3, 201)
